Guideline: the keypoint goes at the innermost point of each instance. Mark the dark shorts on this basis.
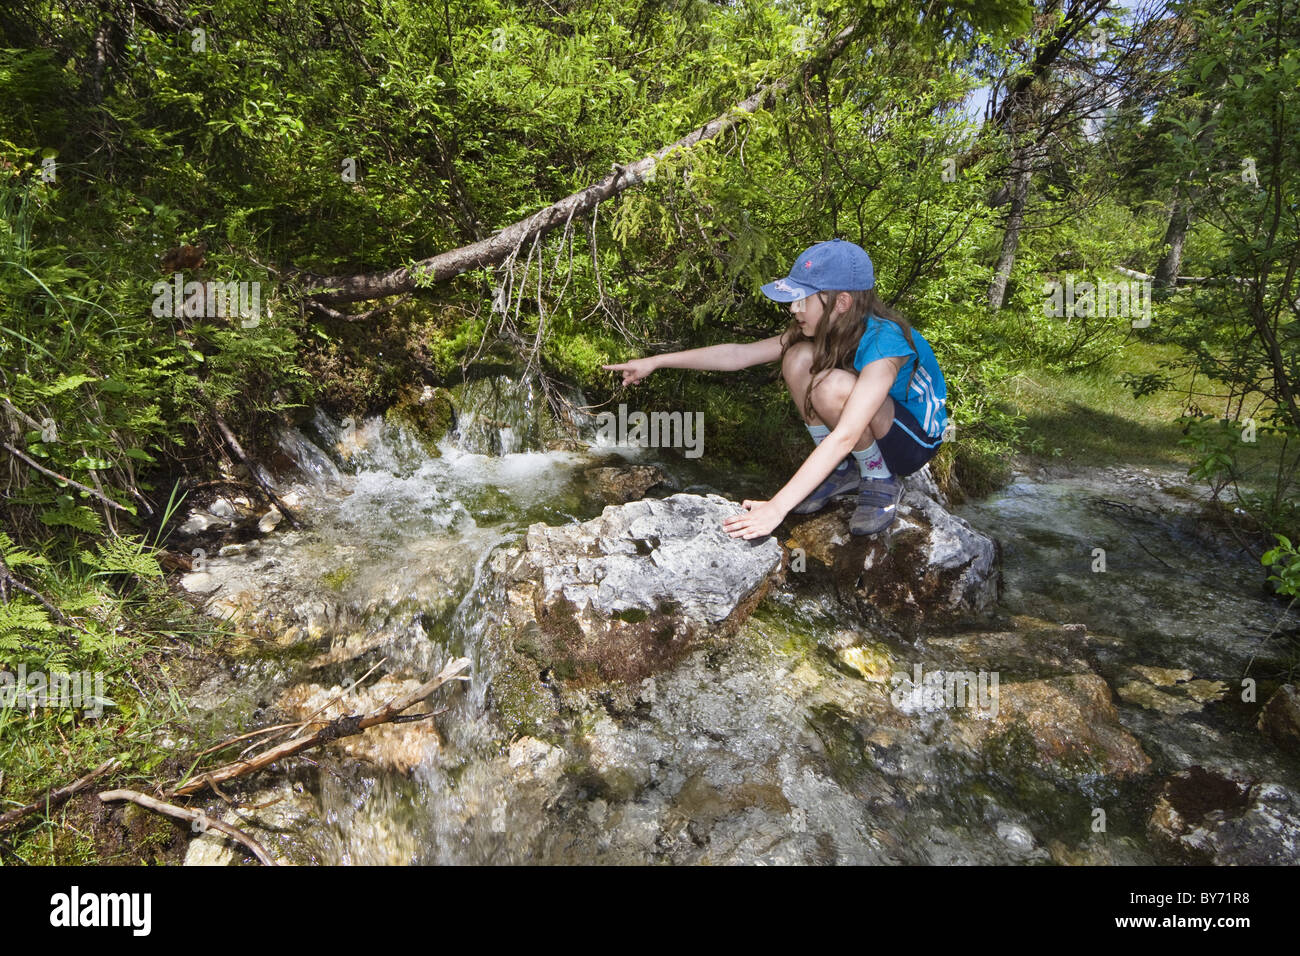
(906, 447)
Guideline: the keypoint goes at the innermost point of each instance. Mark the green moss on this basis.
(579, 354)
(336, 579)
(529, 648)
(428, 414)
(794, 634)
(521, 704)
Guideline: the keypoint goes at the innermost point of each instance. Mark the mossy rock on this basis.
(495, 403)
(519, 700)
(428, 413)
(336, 579)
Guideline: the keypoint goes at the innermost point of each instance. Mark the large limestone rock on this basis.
(597, 607)
(929, 565)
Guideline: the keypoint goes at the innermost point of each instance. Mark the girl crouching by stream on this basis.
(866, 385)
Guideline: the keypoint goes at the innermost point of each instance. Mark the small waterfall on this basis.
(503, 415)
(314, 464)
(393, 571)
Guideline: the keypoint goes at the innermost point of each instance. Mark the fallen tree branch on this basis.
(57, 797)
(54, 474)
(31, 422)
(190, 816)
(333, 730)
(1189, 280)
(329, 313)
(500, 246)
(238, 449)
(261, 731)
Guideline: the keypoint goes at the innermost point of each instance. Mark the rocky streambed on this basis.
(966, 688)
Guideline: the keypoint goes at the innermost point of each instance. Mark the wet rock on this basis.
(1070, 721)
(1205, 817)
(595, 608)
(1206, 691)
(350, 599)
(1163, 676)
(1035, 649)
(222, 508)
(1017, 837)
(348, 646)
(428, 412)
(227, 515)
(200, 582)
(929, 565)
(1152, 698)
(1171, 690)
(1280, 718)
(281, 819)
(298, 824)
(535, 760)
(619, 485)
(199, 521)
(616, 759)
(1086, 854)
(873, 662)
(268, 522)
(401, 747)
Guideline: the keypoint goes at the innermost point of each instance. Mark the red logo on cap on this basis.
(808, 264)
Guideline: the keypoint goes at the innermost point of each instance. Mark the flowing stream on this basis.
(767, 750)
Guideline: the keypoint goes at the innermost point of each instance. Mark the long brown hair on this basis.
(836, 341)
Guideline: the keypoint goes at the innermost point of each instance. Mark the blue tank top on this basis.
(924, 394)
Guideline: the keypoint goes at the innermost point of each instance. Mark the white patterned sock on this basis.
(818, 432)
(871, 463)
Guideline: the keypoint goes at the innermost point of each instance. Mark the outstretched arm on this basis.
(729, 357)
(864, 401)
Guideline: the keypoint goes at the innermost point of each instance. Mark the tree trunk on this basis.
(1011, 237)
(1166, 275)
(1180, 215)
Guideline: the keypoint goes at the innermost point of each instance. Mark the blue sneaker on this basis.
(877, 505)
(842, 481)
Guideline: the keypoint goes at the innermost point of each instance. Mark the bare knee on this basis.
(830, 392)
(796, 364)
(796, 368)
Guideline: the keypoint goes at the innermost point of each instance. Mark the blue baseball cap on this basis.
(839, 265)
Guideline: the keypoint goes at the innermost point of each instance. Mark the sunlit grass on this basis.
(1091, 418)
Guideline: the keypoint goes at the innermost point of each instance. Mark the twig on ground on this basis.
(57, 797)
(191, 816)
(238, 449)
(334, 730)
(54, 474)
